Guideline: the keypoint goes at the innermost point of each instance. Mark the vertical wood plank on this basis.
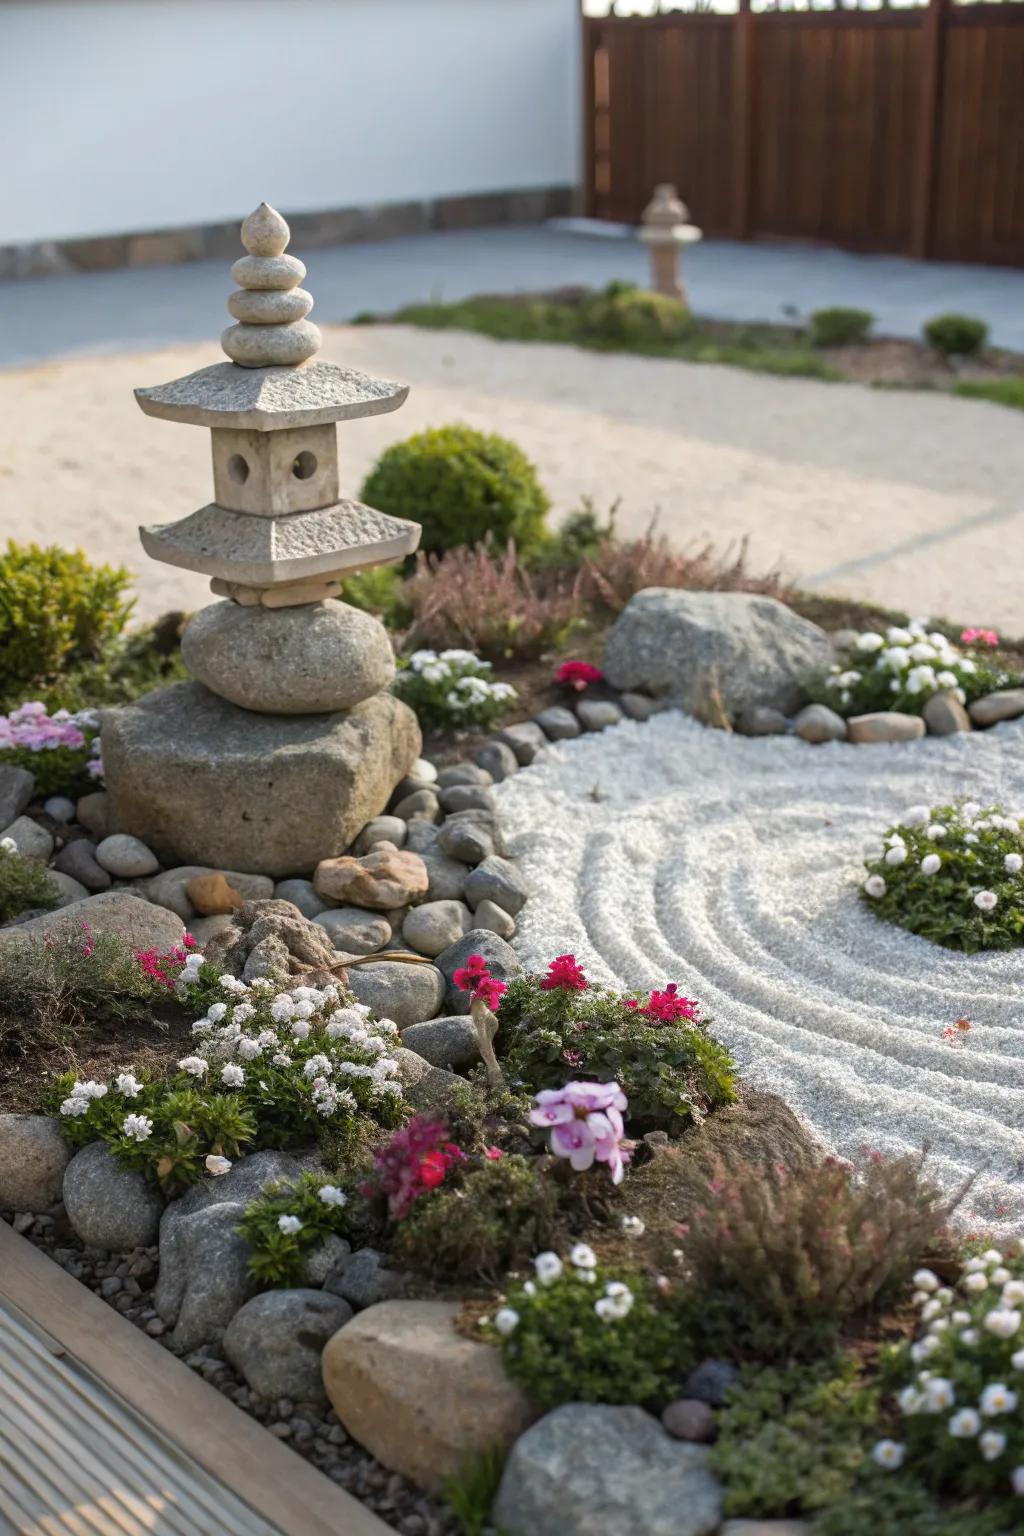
(588, 37)
(743, 85)
(933, 28)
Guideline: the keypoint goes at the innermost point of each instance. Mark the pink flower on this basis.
(578, 674)
(974, 636)
(493, 1154)
(586, 1125)
(474, 978)
(564, 972)
(667, 1007)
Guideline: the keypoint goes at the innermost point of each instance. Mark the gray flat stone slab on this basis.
(226, 395)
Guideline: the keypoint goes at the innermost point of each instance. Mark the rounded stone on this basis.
(271, 346)
(271, 307)
(60, 808)
(264, 231)
(817, 723)
(126, 857)
(67, 887)
(355, 931)
(500, 881)
(93, 812)
(109, 1206)
(309, 660)
(382, 829)
(421, 805)
(33, 1157)
(395, 989)
(494, 918)
(432, 927)
(502, 962)
(467, 797)
(302, 895)
(498, 759)
(268, 272)
(450, 1043)
(463, 773)
(275, 1341)
(78, 859)
(689, 1419)
(598, 714)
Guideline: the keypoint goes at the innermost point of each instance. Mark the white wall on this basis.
(120, 115)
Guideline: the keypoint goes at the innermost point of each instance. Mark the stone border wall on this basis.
(310, 232)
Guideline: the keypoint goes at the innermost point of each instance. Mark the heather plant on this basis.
(61, 750)
(56, 609)
(953, 874)
(286, 1223)
(655, 1045)
(903, 668)
(840, 327)
(462, 486)
(617, 569)
(23, 883)
(452, 688)
(956, 335)
(492, 603)
(497, 1211)
(777, 1261)
(581, 1333)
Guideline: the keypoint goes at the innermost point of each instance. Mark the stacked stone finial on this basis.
(288, 740)
(269, 305)
(665, 229)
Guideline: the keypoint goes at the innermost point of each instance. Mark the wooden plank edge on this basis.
(201, 1422)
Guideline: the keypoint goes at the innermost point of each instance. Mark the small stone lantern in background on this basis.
(665, 230)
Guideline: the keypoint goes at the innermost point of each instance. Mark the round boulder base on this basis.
(275, 1341)
(420, 1397)
(109, 1206)
(200, 780)
(403, 991)
(313, 659)
(33, 1157)
(588, 1469)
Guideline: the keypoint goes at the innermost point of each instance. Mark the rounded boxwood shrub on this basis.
(463, 486)
(56, 610)
(623, 315)
(839, 327)
(956, 335)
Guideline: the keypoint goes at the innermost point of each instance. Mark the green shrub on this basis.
(56, 610)
(793, 1440)
(23, 883)
(956, 335)
(626, 316)
(287, 1222)
(585, 1335)
(671, 1069)
(453, 688)
(880, 1506)
(1000, 391)
(840, 327)
(379, 591)
(128, 667)
(488, 1222)
(463, 486)
(953, 874)
(778, 1260)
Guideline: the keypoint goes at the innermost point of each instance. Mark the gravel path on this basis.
(667, 851)
(911, 499)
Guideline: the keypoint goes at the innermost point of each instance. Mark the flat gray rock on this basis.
(498, 759)
(67, 888)
(589, 1469)
(382, 829)
(109, 1206)
(1005, 704)
(301, 894)
(449, 1043)
(33, 1157)
(78, 859)
(355, 931)
(463, 773)
(467, 841)
(225, 395)
(559, 723)
(489, 915)
(392, 989)
(598, 714)
(500, 881)
(468, 797)
(525, 738)
(275, 1341)
(202, 781)
(708, 651)
(143, 925)
(447, 876)
(16, 789)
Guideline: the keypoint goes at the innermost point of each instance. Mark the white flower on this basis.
(967, 665)
(1000, 1276)
(992, 1256)
(582, 1256)
(1004, 1322)
(90, 1089)
(848, 679)
(997, 1398)
(608, 1309)
(961, 1319)
(506, 1321)
(217, 1165)
(874, 886)
(932, 1308)
(965, 1424)
(127, 1084)
(976, 1282)
(216, 1012)
(548, 1267)
(300, 1029)
(922, 651)
(991, 1444)
(897, 636)
(8, 845)
(939, 1393)
(138, 1127)
(330, 1194)
(946, 679)
(974, 1266)
(195, 1066)
(869, 641)
(1013, 863)
(232, 1075)
(937, 832)
(74, 1105)
(632, 1226)
(931, 864)
(985, 900)
(926, 1280)
(911, 1400)
(970, 1337)
(529, 1289)
(1017, 1360)
(289, 1225)
(281, 1059)
(897, 854)
(888, 1454)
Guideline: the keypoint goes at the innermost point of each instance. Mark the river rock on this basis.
(17, 786)
(489, 915)
(33, 1157)
(467, 841)
(125, 857)
(109, 1206)
(420, 837)
(463, 773)
(884, 725)
(200, 780)
(498, 759)
(78, 859)
(93, 812)
(213, 895)
(689, 1419)
(1005, 704)
(526, 739)
(60, 808)
(363, 1279)
(598, 714)
(383, 878)
(143, 925)
(394, 989)
(31, 840)
(301, 894)
(500, 881)
(944, 715)
(817, 723)
(705, 650)
(275, 1341)
(559, 723)
(419, 1396)
(467, 797)
(355, 931)
(421, 805)
(315, 658)
(448, 1043)
(170, 889)
(446, 878)
(67, 888)
(710, 1382)
(760, 720)
(638, 706)
(432, 1091)
(435, 925)
(502, 962)
(382, 829)
(589, 1469)
(766, 1528)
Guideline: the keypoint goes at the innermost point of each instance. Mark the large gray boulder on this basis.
(33, 1157)
(142, 924)
(109, 1206)
(204, 1262)
(275, 1341)
(713, 651)
(201, 781)
(502, 962)
(588, 1469)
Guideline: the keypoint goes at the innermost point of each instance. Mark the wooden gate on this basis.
(886, 130)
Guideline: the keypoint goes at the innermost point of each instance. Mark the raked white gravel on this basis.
(668, 852)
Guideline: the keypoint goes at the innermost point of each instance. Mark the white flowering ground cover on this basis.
(669, 852)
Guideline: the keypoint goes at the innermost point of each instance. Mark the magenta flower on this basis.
(586, 1125)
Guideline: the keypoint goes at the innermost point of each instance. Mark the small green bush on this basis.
(56, 611)
(878, 1506)
(626, 316)
(489, 1222)
(840, 327)
(379, 591)
(287, 1222)
(586, 1335)
(463, 486)
(453, 688)
(953, 874)
(23, 883)
(1000, 391)
(956, 335)
(472, 1490)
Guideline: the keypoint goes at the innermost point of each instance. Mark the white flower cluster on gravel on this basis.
(670, 852)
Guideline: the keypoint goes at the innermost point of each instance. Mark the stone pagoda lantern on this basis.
(288, 740)
(665, 229)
